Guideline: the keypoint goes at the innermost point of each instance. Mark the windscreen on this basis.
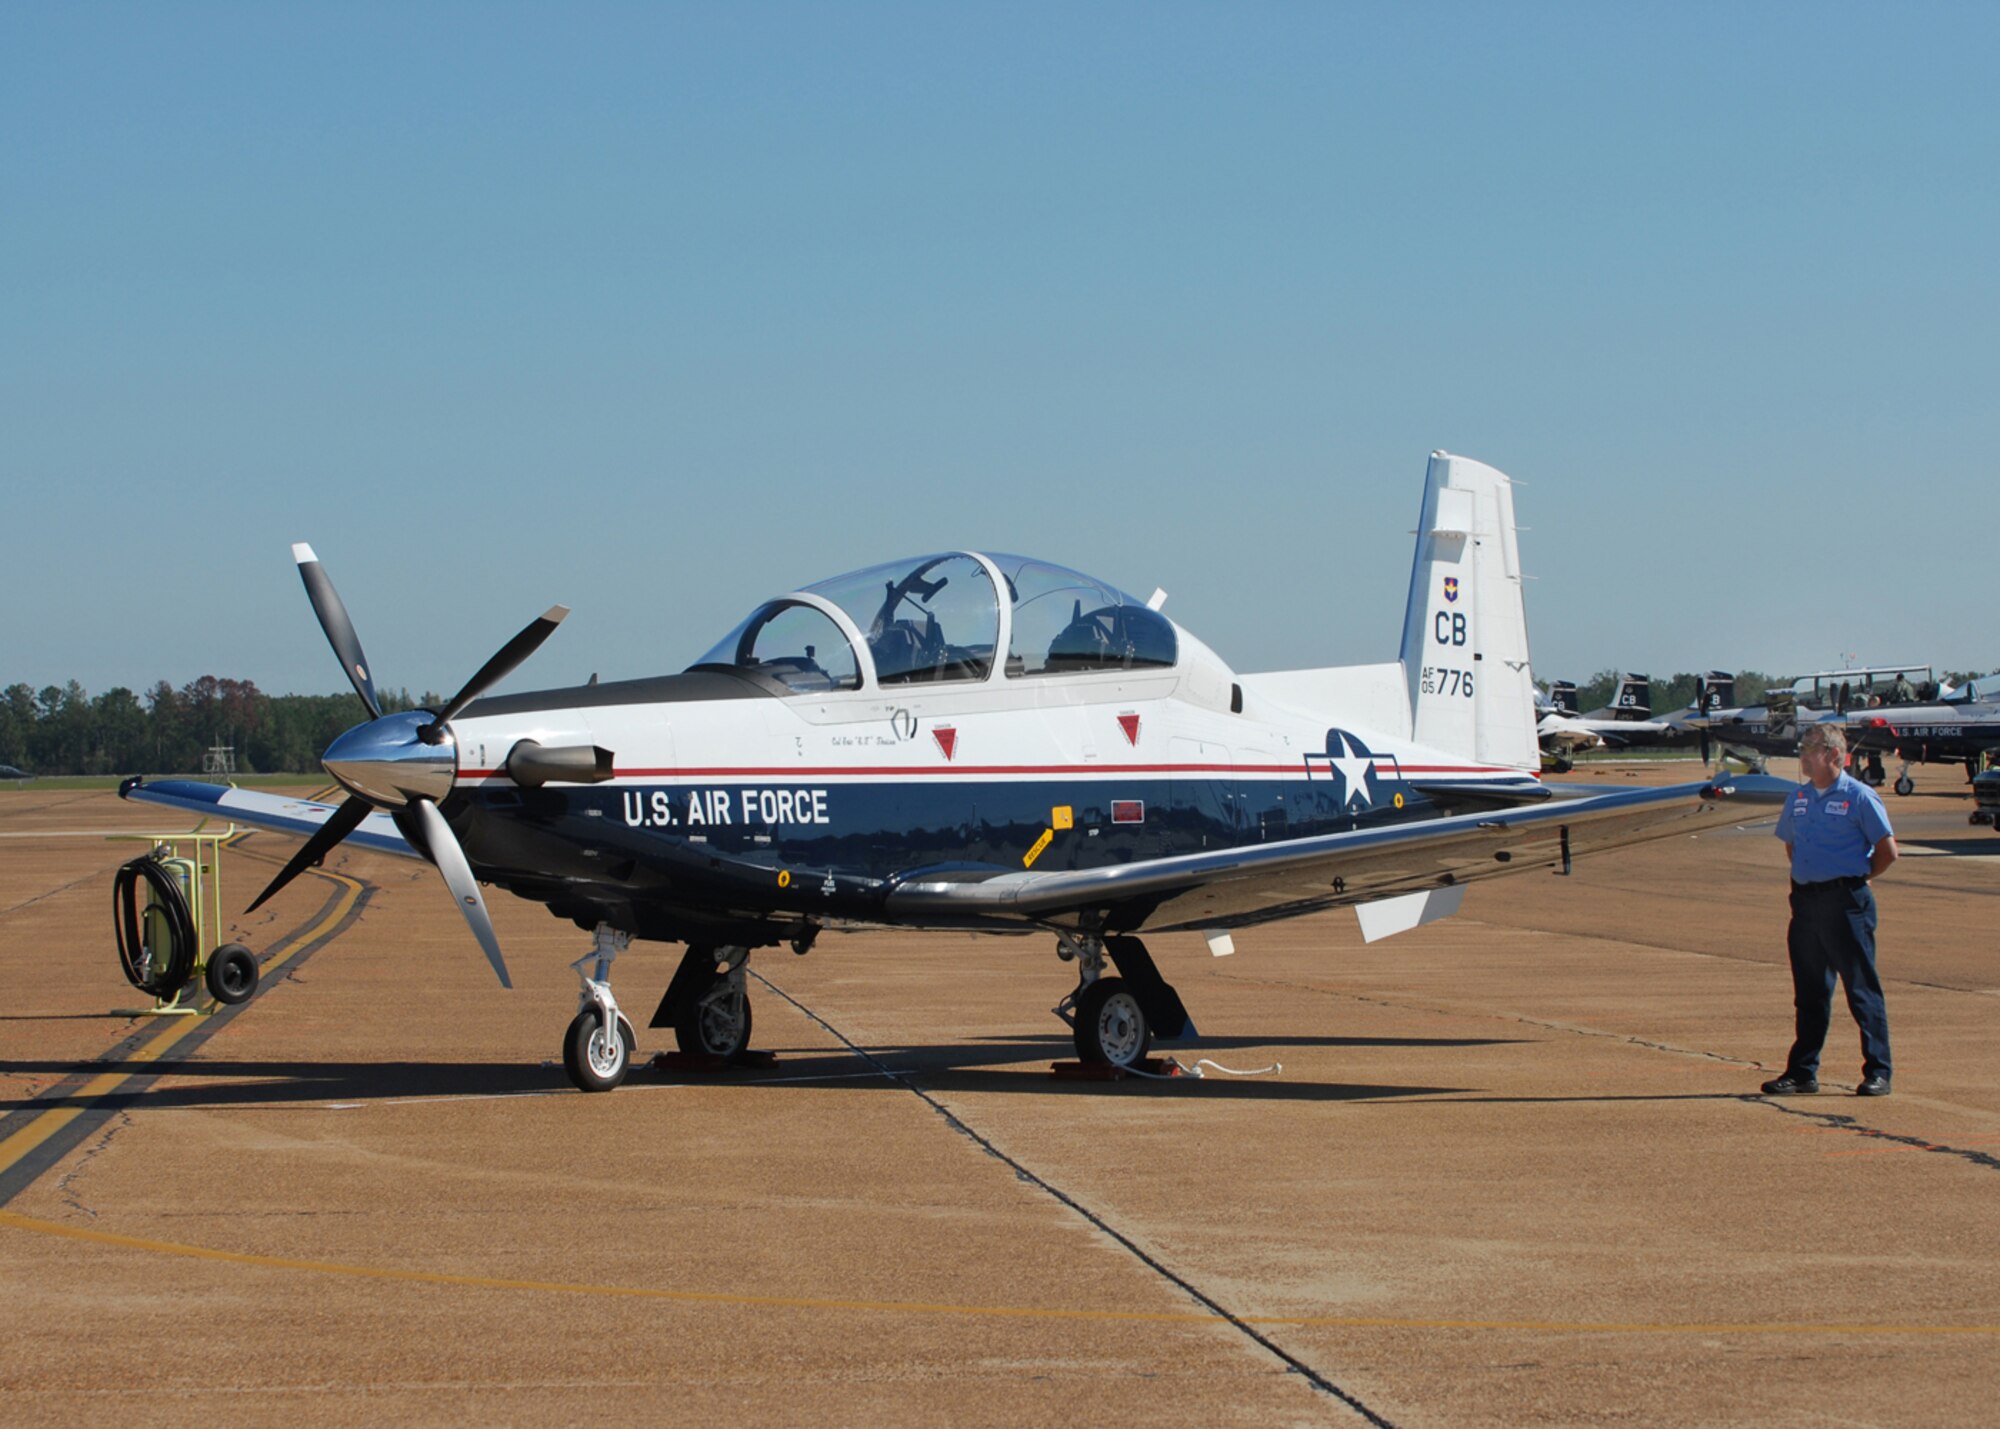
(792, 643)
(934, 618)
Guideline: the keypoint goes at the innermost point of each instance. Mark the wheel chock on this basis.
(1105, 1072)
(707, 1063)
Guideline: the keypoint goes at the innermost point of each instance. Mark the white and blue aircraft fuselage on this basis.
(979, 741)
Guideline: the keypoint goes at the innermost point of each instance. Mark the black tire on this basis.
(708, 1026)
(1111, 1027)
(232, 974)
(1873, 777)
(1905, 785)
(595, 1063)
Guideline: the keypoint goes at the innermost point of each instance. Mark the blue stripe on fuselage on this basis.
(878, 829)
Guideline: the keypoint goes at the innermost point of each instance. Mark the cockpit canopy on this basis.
(937, 619)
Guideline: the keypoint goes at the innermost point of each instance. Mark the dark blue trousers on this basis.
(1833, 935)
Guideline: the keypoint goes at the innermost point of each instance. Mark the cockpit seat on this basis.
(1083, 644)
(898, 650)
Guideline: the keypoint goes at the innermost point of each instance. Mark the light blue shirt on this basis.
(1832, 833)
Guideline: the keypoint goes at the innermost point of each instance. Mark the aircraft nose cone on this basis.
(386, 763)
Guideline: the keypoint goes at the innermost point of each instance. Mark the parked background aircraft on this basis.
(1626, 723)
(977, 741)
(1958, 732)
(1750, 735)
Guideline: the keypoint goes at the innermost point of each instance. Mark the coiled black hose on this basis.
(163, 972)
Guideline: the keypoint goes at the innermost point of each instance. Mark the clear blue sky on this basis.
(657, 309)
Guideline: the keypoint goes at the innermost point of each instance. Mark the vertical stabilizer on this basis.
(1465, 628)
(1634, 699)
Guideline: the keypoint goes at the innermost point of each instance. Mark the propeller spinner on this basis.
(403, 763)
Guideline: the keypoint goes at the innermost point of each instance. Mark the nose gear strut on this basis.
(597, 1050)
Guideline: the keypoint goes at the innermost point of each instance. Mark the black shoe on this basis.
(1875, 1086)
(1794, 1085)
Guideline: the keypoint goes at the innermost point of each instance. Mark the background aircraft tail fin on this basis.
(1634, 699)
(1465, 627)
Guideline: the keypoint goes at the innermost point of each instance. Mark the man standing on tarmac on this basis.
(1838, 836)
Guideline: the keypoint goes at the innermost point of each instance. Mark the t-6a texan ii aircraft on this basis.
(985, 742)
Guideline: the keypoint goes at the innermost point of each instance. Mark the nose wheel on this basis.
(595, 1060)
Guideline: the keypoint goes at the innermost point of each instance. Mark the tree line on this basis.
(64, 730)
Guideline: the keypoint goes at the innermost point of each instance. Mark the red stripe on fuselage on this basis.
(965, 771)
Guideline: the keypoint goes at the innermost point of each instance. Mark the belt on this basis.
(1830, 885)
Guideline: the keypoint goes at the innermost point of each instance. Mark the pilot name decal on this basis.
(705, 807)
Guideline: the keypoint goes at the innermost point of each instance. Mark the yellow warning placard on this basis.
(1061, 817)
(1028, 858)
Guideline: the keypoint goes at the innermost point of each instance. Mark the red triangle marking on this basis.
(947, 738)
(1130, 724)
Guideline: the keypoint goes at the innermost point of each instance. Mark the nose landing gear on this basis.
(597, 1049)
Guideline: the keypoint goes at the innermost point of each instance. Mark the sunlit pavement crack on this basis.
(1292, 1363)
(1838, 1122)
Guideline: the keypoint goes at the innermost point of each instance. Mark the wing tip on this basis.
(303, 554)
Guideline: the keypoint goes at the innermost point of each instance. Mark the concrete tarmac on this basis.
(1515, 1168)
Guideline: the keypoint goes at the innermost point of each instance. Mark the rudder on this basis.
(1465, 628)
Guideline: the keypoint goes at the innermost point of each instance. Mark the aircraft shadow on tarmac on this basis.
(956, 1067)
(1958, 848)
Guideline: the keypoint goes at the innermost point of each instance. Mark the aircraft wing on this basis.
(278, 812)
(1240, 886)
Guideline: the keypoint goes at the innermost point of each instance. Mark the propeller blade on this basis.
(450, 860)
(344, 821)
(339, 629)
(505, 659)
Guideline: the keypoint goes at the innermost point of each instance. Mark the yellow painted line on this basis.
(171, 1034)
(16, 1221)
(55, 1119)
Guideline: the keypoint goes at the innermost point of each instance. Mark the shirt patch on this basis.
(1836, 806)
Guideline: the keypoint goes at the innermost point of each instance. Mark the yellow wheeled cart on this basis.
(164, 939)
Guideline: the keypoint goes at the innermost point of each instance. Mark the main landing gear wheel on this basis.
(716, 1022)
(594, 1061)
(232, 973)
(1904, 785)
(1111, 1027)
